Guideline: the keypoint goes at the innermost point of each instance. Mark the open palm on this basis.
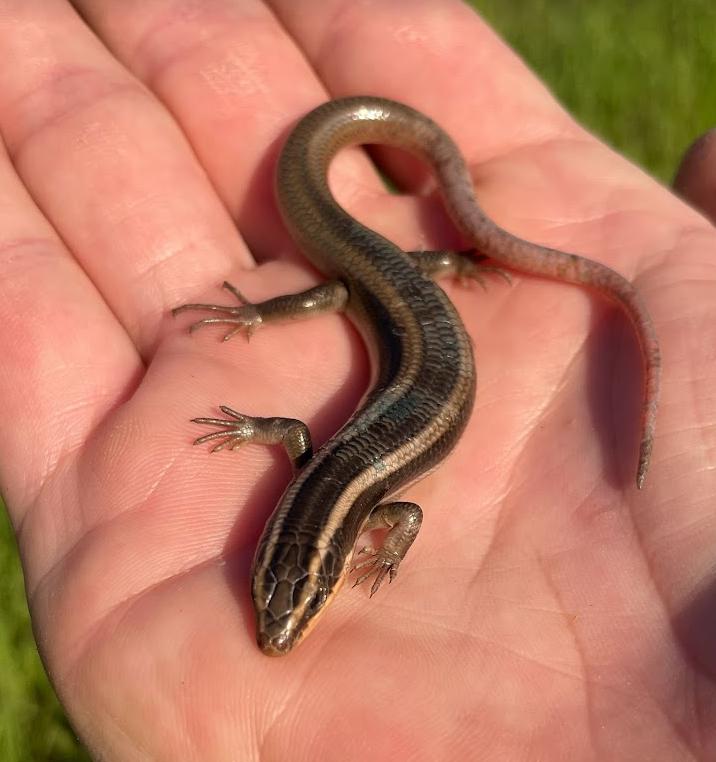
(548, 610)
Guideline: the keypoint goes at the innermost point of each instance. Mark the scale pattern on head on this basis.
(292, 581)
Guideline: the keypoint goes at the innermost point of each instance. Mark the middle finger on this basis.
(108, 166)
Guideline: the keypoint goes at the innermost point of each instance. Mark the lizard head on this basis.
(292, 583)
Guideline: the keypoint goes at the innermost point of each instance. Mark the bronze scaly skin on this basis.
(423, 368)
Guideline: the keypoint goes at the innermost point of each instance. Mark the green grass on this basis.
(638, 73)
(32, 725)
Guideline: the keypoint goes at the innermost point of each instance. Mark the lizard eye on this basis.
(317, 601)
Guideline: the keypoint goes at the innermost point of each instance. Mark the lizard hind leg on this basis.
(464, 266)
(330, 296)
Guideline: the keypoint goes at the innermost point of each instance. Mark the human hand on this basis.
(546, 608)
(695, 178)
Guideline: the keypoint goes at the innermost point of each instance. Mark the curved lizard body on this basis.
(424, 374)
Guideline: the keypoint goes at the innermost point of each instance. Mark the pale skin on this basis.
(548, 610)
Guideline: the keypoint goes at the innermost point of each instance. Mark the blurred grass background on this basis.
(638, 74)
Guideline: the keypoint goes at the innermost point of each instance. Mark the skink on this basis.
(423, 370)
